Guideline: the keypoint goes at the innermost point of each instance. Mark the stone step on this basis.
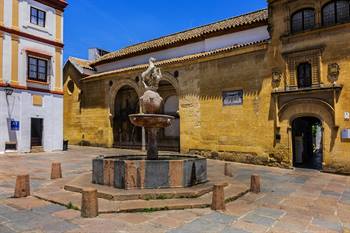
(66, 198)
(36, 149)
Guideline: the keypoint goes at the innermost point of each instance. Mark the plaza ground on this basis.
(290, 201)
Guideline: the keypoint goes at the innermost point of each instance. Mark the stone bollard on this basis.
(255, 184)
(218, 200)
(89, 203)
(228, 170)
(22, 186)
(56, 171)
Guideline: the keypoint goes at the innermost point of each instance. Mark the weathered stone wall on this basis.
(231, 131)
(96, 126)
(72, 107)
(333, 44)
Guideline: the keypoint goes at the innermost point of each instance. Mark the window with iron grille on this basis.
(37, 69)
(303, 20)
(37, 17)
(336, 12)
(304, 75)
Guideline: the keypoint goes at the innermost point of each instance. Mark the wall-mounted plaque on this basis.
(345, 134)
(231, 98)
(14, 125)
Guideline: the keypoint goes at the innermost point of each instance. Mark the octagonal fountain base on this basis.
(136, 172)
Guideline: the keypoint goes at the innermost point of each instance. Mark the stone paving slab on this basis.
(297, 201)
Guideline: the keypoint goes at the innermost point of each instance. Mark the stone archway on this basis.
(125, 101)
(307, 139)
(312, 108)
(173, 81)
(116, 87)
(169, 138)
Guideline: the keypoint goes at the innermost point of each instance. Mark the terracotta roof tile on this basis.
(81, 62)
(203, 31)
(178, 59)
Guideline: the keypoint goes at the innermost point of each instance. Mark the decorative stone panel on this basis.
(183, 171)
(312, 56)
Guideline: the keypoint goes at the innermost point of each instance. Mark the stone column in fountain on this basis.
(150, 104)
(152, 150)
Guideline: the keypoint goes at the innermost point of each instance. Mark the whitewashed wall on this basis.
(47, 32)
(20, 108)
(242, 37)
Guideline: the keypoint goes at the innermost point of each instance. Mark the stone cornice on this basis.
(30, 36)
(20, 87)
(57, 4)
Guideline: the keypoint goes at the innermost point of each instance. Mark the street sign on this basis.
(14, 125)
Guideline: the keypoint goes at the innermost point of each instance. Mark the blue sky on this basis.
(114, 24)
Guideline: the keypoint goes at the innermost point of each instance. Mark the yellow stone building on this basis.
(270, 87)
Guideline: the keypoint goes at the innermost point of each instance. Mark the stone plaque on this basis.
(231, 98)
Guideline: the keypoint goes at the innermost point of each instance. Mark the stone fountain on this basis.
(154, 170)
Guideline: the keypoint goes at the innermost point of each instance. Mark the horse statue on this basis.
(151, 77)
(151, 101)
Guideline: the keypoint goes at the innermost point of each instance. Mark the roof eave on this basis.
(246, 26)
(261, 44)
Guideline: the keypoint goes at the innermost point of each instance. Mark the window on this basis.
(303, 20)
(37, 69)
(37, 17)
(304, 75)
(336, 12)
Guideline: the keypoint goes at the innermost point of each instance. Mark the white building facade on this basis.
(31, 59)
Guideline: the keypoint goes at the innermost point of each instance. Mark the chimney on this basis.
(95, 53)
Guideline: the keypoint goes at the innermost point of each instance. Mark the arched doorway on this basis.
(169, 138)
(126, 135)
(307, 133)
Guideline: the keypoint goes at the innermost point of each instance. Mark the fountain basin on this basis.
(151, 120)
(136, 172)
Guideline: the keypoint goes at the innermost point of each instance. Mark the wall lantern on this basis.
(8, 90)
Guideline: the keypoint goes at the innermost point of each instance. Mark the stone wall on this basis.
(208, 125)
(243, 133)
(72, 106)
(332, 42)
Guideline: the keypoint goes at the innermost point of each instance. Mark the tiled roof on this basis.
(185, 36)
(81, 63)
(178, 59)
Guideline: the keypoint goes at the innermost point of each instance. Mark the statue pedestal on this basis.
(152, 148)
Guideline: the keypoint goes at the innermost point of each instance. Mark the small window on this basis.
(37, 17)
(336, 12)
(37, 69)
(70, 87)
(303, 20)
(304, 75)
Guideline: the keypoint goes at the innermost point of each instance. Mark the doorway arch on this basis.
(307, 137)
(169, 138)
(125, 134)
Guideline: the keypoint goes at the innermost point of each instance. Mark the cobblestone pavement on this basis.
(291, 201)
